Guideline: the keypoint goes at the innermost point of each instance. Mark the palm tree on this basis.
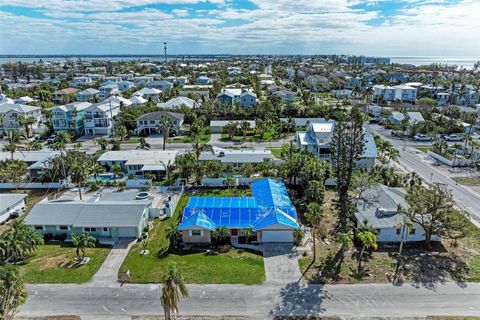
(219, 234)
(245, 126)
(14, 139)
(368, 240)
(101, 142)
(96, 169)
(173, 288)
(12, 292)
(19, 241)
(315, 191)
(393, 153)
(117, 170)
(165, 126)
(62, 139)
(27, 123)
(81, 242)
(143, 144)
(197, 147)
(314, 215)
(345, 239)
(79, 175)
(173, 234)
(2, 125)
(34, 146)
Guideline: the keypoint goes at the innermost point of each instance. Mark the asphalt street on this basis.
(465, 197)
(259, 302)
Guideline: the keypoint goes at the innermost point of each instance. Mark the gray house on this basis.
(149, 122)
(101, 218)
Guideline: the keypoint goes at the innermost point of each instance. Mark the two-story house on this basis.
(99, 118)
(248, 99)
(152, 122)
(87, 95)
(405, 93)
(70, 117)
(79, 82)
(13, 113)
(148, 93)
(382, 92)
(108, 91)
(317, 140)
(161, 85)
(59, 96)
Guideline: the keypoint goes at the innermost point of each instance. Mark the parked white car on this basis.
(422, 137)
(453, 137)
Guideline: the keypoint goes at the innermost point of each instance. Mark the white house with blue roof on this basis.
(268, 213)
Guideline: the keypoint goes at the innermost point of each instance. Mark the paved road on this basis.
(258, 302)
(465, 197)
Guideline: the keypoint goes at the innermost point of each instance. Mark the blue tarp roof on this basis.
(269, 205)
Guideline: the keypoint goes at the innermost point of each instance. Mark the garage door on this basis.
(277, 236)
(127, 232)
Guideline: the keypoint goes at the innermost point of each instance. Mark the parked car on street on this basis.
(51, 139)
(422, 137)
(453, 137)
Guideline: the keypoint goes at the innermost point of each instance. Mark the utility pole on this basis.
(165, 51)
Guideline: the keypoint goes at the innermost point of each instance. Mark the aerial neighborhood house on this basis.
(152, 122)
(87, 95)
(405, 93)
(178, 102)
(142, 80)
(396, 118)
(108, 90)
(99, 216)
(36, 161)
(140, 162)
(386, 93)
(118, 100)
(11, 205)
(268, 214)
(83, 81)
(203, 80)
(248, 99)
(13, 113)
(379, 208)
(286, 96)
(60, 95)
(236, 157)
(197, 95)
(24, 100)
(229, 96)
(148, 93)
(69, 117)
(318, 138)
(443, 98)
(138, 100)
(125, 85)
(161, 85)
(99, 118)
(218, 125)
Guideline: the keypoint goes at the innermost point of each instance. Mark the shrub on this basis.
(62, 237)
(298, 236)
(47, 237)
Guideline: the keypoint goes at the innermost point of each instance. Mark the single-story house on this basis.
(11, 205)
(379, 208)
(217, 125)
(268, 214)
(177, 102)
(36, 161)
(101, 218)
(236, 156)
(139, 162)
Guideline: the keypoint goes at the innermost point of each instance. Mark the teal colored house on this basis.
(70, 117)
(111, 219)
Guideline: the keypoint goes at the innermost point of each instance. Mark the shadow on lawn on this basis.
(296, 298)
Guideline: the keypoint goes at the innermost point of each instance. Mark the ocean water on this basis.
(466, 62)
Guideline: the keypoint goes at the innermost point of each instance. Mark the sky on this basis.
(368, 27)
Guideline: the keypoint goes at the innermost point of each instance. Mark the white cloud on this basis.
(180, 12)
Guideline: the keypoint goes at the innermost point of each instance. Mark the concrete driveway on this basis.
(108, 272)
(281, 263)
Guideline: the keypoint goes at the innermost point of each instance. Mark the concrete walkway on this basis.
(108, 272)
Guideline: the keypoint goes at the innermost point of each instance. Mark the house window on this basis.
(38, 227)
(105, 229)
(63, 227)
(196, 233)
(90, 229)
(399, 231)
(412, 231)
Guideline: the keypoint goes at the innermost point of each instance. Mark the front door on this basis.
(234, 232)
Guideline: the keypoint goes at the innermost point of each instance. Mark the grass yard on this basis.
(459, 261)
(277, 152)
(204, 137)
(50, 264)
(233, 267)
(467, 181)
(424, 149)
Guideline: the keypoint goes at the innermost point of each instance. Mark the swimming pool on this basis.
(103, 178)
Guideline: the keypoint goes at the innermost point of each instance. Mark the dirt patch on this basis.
(61, 260)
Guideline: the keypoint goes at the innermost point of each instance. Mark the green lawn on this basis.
(187, 139)
(467, 181)
(234, 267)
(424, 149)
(49, 264)
(277, 152)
